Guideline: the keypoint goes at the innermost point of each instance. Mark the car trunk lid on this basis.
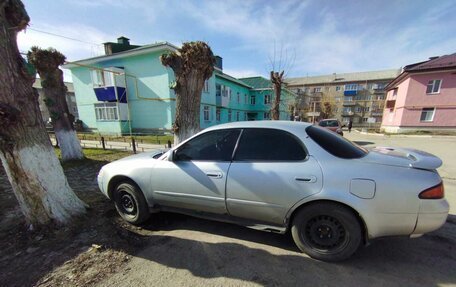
(404, 157)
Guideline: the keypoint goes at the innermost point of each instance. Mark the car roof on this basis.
(285, 125)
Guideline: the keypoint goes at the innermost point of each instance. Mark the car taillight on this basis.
(435, 192)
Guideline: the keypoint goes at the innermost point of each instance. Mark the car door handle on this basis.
(310, 179)
(214, 174)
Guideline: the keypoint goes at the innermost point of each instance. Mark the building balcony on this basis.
(377, 114)
(111, 94)
(349, 103)
(350, 93)
(344, 113)
(390, 104)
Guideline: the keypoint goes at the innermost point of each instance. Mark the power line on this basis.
(66, 37)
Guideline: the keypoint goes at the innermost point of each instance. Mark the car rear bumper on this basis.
(433, 214)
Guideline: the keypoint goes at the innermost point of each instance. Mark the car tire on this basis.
(130, 203)
(326, 231)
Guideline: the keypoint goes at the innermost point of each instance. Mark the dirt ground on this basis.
(177, 250)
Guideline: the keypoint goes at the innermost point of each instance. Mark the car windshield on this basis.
(335, 144)
(331, 123)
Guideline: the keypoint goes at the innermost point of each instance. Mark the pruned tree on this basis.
(47, 64)
(327, 105)
(277, 80)
(192, 64)
(27, 155)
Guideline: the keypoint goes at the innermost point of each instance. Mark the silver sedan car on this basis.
(276, 176)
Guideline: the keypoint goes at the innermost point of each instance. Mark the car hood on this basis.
(403, 157)
(144, 155)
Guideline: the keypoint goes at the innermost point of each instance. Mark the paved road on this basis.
(184, 251)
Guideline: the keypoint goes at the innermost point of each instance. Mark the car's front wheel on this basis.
(326, 231)
(130, 203)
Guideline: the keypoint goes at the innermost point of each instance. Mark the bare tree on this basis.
(27, 155)
(277, 77)
(277, 82)
(47, 64)
(192, 64)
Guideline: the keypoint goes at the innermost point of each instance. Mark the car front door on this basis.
(271, 171)
(195, 178)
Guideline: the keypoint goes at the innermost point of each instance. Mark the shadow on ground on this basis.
(272, 259)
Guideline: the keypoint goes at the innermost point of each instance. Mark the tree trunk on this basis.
(62, 119)
(188, 104)
(27, 155)
(275, 111)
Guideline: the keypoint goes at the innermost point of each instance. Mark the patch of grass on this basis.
(94, 154)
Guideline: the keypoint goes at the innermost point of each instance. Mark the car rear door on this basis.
(271, 171)
(196, 177)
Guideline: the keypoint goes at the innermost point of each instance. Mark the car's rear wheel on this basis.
(130, 203)
(326, 231)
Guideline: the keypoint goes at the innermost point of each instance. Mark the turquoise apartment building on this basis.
(128, 90)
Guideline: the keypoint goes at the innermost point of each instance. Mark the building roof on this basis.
(257, 82)
(442, 63)
(345, 77)
(434, 63)
(133, 52)
(221, 74)
(37, 85)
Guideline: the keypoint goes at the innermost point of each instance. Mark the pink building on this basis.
(422, 97)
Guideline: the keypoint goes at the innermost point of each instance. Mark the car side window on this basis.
(269, 145)
(211, 146)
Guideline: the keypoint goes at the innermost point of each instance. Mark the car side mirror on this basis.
(171, 155)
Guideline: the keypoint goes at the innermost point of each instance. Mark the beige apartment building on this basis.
(359, 97)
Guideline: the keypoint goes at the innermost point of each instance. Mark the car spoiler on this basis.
(415, 158)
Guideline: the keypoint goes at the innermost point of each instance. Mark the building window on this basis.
(238, 115)
(206, 86)
(218, 90)
(206, 113)
(229, 115)
(349, 99)
(358, 109)
(351, 87)
(427, 114)
(102, 78)
(217, 115)
(366, 109)
(252, 100)
(106, 112)
(433, 87)
(337, 88)
(267, 99)
(238, 98)
(317, 89)
(365, 120)
(267, 115)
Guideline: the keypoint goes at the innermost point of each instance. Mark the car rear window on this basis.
(331, 124)
(335, 144)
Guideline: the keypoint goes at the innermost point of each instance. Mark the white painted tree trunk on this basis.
(69, 144)
(184, 134)
(53, 198)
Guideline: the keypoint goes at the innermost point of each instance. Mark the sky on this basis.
(304, 38)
